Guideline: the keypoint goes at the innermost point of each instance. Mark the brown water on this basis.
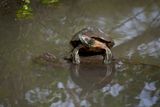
(132, 81)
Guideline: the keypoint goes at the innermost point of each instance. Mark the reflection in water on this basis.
(138, 24)
(112, 89)
(1, 105)
(144, 48)
(150, 49)
(80, 88)
(90, 76)
(99, 85)
(149, 95)
(37, 95)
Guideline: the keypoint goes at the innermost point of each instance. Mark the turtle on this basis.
(91, 41)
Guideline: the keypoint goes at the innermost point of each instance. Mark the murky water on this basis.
(132, 81)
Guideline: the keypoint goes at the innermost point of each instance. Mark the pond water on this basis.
(131, 81)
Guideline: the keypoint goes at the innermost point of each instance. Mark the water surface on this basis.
(132, 81)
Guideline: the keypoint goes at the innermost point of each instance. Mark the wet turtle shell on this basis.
(95, 33)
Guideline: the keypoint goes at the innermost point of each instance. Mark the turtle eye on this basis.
(87, 39)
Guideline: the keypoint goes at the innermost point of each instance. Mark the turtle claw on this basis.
(76, 59)
(108, 56)
(75, 56)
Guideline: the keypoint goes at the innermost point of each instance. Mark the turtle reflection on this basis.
(91, 77)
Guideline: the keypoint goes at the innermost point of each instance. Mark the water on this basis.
(132, 81)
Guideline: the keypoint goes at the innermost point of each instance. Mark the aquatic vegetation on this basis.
(25, 12)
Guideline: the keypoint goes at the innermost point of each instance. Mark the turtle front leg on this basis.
(75, 55)
(107, 56)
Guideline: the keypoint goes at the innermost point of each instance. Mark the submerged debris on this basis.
(45, 58)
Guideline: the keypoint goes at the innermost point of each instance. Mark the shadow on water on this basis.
(132, 81)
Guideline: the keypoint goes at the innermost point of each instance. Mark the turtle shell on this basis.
(95, 33)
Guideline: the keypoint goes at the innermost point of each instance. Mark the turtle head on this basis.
(88, 41)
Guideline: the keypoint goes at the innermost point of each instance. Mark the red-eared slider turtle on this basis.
(91, 41)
